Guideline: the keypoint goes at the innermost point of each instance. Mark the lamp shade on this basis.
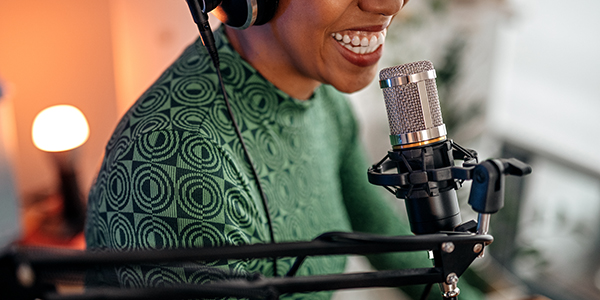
(60, 128)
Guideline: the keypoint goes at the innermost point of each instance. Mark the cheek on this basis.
(314, 9)
(309, 17)
(304, 42)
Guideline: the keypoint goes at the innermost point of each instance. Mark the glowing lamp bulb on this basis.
(60, 128)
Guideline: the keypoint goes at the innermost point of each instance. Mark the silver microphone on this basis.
(420, 147)
(412, 104)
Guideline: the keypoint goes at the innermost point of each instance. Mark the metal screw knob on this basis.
(452, 278)
(448, 247)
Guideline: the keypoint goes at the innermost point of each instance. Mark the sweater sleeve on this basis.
(171, 189)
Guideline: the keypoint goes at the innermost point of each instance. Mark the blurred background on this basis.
(516, 79)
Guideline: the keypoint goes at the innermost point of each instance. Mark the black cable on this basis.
(254, 172)
(426, 291)
(200, 16)
(201, 19)
(294, 269)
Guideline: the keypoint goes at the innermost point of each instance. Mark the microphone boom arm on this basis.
(453, 253)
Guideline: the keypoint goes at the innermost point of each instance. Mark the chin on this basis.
(354, 84)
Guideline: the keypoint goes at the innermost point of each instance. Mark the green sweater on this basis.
(174, 174)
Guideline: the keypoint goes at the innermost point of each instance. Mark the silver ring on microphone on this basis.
(419, 136)
(406, 79)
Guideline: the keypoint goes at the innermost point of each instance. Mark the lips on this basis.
(360, 47)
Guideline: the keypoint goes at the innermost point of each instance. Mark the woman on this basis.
(175, 174)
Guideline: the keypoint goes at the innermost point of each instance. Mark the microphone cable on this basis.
(201, 19)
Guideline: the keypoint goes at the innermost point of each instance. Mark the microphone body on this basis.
(419, 142)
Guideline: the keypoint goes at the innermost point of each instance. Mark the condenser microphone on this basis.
(412, 104)
(419, 142)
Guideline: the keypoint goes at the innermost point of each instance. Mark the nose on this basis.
(383, 7)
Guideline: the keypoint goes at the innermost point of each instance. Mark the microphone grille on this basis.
(403, 103)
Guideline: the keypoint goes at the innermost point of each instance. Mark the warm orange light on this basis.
(60, 128)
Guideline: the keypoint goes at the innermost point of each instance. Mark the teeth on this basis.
(364, 42)
(372, 42)
(360, 44)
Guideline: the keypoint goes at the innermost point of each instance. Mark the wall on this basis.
(147, 36)
(96, 55)
(546, 102)
(57, 52)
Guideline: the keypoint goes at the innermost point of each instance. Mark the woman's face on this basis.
(337, 42)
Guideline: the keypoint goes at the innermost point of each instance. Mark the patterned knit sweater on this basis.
(174, 174)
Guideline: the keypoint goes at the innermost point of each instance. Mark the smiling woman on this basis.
(175, 174)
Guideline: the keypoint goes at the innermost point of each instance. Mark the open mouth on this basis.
(360, 42)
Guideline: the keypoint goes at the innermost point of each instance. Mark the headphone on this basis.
(241, 14)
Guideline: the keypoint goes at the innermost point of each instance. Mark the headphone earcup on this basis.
(242, 14)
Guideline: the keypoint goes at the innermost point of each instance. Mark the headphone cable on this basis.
(254, 172)
(201, 20)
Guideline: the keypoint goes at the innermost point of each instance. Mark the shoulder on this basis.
(179, 100)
